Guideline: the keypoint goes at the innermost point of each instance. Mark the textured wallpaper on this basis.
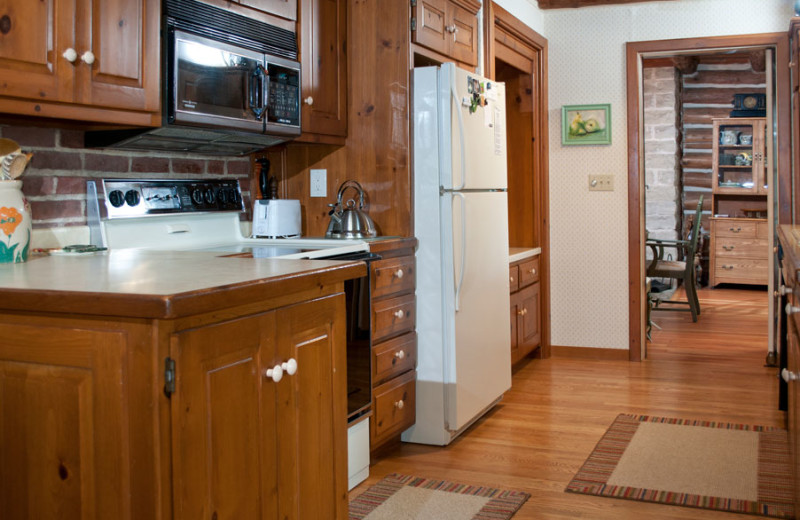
(588, 233)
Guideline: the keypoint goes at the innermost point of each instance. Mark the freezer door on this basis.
(474, 109)
(477, 356)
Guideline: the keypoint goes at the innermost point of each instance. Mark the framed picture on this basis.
(586, 124)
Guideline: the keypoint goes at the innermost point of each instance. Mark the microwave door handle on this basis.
(257, 91)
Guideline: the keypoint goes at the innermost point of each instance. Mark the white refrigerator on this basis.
(461, 223)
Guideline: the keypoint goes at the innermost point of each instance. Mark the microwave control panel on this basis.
(137, 198)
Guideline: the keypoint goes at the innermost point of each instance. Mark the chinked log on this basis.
(727, 77)
(698, 137)
(697, 161)
(714, 95)
(697, 179)
(704, 115)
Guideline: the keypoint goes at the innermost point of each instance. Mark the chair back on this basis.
(695, 232)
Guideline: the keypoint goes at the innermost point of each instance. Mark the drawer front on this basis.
(735, 228)
(742, 270)
(392, 317)
(393, 275)
(394, 357)
(528, 272)
(394, 406)
(513, 277)
(762, 230)
(741, 247)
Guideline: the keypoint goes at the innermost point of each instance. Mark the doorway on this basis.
(636, 53)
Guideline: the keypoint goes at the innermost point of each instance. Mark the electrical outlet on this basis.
(319, 183)
(601, 182)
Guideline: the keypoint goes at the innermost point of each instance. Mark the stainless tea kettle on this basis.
(347, 220)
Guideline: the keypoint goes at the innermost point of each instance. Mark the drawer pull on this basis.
(791, 309)
(399, 273)
(532, 271)
(309, 101)
(728, 267)
(398, 314)
(735, 230)
(789, 376)
(728, 248)
(511, 279)
(399, 404)
(400, 354)
(275, 373)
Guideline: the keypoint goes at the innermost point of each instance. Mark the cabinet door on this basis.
(225, 422)
(312, 462)
(324, 61)
(738, 156)
(463, 35)
(283, 8)
(123, 40)
(33, 37)
(793, 419)
(760, 151)
(515, 308)
(529, 325)
(64, 444)
(431, 31)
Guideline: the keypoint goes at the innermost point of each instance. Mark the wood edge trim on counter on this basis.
(391, 247)
(608, 354)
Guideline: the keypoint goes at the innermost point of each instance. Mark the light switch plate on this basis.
(601, 182)
(319, 183)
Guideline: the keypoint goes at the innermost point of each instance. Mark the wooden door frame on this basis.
(500, 25)
(635, 51)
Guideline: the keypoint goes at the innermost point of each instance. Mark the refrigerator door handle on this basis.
(463, 263)
(457, 107)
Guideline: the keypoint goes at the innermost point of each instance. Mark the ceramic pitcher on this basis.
(15, 222)
(729, 137)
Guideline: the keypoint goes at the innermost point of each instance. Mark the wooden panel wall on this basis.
(376, 153)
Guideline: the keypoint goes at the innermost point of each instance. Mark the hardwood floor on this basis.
(545, 427)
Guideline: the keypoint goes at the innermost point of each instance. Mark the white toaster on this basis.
(276, 218)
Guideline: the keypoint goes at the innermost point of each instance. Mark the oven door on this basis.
(216, 84)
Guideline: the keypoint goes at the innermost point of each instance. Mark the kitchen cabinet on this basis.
(394, 341)
(739, 251)
(283, 8)
(739, 156)
(92, 60)
(286, 432)
(448, 27)
(323, 55)
(526, 332)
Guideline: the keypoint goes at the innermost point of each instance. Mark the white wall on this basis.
(588, 230)
(527, 11)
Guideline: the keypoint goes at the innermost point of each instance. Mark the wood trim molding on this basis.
(472, 6)
(634, 53)
(615, 354)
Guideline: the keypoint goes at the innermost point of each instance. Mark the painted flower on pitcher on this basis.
(10, 218)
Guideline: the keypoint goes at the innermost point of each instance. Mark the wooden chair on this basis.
(678, 269)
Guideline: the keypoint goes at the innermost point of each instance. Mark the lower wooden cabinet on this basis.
(739, 251)
(526, 334)
(394, 407)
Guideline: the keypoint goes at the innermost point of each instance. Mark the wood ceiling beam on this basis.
(564, 4)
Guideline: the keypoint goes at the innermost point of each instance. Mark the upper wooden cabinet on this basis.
(63, 56)
(283, 8)
(449, 27)
(323, 54)
(739, 156)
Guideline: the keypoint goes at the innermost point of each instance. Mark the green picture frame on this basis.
(586, 124)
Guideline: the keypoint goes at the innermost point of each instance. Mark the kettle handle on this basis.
(351, 184)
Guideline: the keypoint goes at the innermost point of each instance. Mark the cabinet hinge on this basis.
(169, 376)
(414, 24)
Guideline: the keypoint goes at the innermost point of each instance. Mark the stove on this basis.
(191, 215)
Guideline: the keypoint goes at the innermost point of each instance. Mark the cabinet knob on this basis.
(275, 373)
(789, 376)
(784, 290)
(87, 57)
(400, 354)
(70, 55)
(399, 404)
(309, 100)
(532, 271)
(398, 314)
(290, 367)
(791, 309)
(399, 273)
(511, 279)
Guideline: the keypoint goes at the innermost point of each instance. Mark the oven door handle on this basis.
(256, 98)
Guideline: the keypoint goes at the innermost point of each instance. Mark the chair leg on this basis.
(691, 296)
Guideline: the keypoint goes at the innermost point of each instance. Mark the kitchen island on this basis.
(147, 384)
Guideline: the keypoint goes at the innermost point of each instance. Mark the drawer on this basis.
(393, 357)
(513, 278)
(762, 230)
(528, 272)
(392, 275)
(393, 316)
(742, 270)
(741, 247)
(735, 228)
(394, 406)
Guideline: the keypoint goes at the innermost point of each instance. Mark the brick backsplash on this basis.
(55, 180)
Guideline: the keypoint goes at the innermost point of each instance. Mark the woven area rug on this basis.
(402, 497)
(728, 467)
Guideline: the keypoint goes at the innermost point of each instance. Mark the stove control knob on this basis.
(223, 197)
(132, 197)
(116, 198)
(209, 196)
(197, 196)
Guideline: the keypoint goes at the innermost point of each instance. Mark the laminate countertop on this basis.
(159, 284)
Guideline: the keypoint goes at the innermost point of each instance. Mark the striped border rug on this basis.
(758, 468)
(420, 497)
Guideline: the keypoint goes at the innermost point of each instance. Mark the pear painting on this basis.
(586, 125)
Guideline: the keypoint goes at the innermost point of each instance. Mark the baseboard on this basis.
(558, 351)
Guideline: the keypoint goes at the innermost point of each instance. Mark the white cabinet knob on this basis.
(88, 57)
(309, 100)
(399, 273)
(399, 404)
(399, 354)
(532, 271)
(791, 309)
(511, 279)
(290, 367)
(275, 373)
(784, 290)
(398, 314)
(70, 55)
(789, 376)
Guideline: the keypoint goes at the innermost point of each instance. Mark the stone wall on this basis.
(661, 153)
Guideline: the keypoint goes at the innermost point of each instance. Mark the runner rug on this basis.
(710, 465)
(402, 497)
